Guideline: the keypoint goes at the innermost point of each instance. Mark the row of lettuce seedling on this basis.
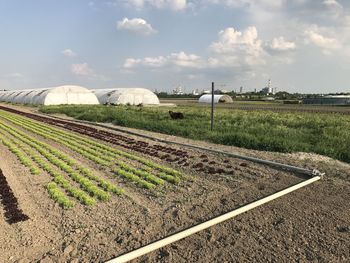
(102, 154)
(54, 158)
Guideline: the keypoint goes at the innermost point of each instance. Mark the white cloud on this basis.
(180, 59)
(332, 4)
(69, 53)
(137, 3)
(155, 61)
(84, 70)
(239, 46)
(81, 69)
(234, 49)
(136, 25)
(246, 3)
(175, 5)
(131, 62)
(280, 44)
(320, 40)
(183, 60)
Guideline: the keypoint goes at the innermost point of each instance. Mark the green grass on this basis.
(326, 134)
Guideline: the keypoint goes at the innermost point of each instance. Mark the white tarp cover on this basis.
(217, 99)
(67, 94)
(126, 96)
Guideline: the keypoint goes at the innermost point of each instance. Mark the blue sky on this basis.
(302, 45)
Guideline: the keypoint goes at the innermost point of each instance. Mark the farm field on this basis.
(88, 194)
(276, 106)
(324, 133)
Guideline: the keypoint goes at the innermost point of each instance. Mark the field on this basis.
(73, 192)
(303, 129)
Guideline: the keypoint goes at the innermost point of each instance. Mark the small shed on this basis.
(126, 96)
(206, 98)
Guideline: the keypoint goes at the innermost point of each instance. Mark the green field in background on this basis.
(323, 133)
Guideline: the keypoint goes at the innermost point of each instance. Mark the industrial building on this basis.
(268, 90)
(217, 99)
(126, 96)
(67, 94)
(179, 90)
(329, 100)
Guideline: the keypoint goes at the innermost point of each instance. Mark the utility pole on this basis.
(212, 107)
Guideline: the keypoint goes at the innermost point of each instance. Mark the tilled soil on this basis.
(311, 224)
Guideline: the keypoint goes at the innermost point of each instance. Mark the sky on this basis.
(301, 45)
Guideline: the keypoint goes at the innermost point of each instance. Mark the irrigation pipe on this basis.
(199, 227)
(234, 155)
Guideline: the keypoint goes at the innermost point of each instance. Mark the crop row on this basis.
(92, 155)
(106, 148)
(24, 160)
(79, 174)
(65, 163)
(102, 154)
(32, 157)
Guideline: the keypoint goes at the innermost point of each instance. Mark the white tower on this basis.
(270, 91)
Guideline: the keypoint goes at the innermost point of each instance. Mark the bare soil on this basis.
(311, 224)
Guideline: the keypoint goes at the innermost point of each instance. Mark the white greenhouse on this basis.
(126, 96)
(50, 96)
(206, 98)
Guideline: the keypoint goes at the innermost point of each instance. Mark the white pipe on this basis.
(192, 230)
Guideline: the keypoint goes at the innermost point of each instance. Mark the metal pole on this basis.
(212, 107)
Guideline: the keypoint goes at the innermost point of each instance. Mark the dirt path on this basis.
(311, 224)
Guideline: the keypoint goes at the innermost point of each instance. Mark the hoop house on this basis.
(126, 96)
(217, 99)
(51, 96)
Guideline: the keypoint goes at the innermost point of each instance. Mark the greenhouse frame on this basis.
(67, 94)
(206, 98)
(126, 96)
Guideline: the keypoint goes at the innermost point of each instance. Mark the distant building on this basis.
(178, 90)
(206, 91)
(195, 92)
(268, 90)
(220, 91)
(329, 100)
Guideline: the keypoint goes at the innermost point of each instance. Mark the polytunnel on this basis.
(217, 99)
(67, 94)
(126, 96)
